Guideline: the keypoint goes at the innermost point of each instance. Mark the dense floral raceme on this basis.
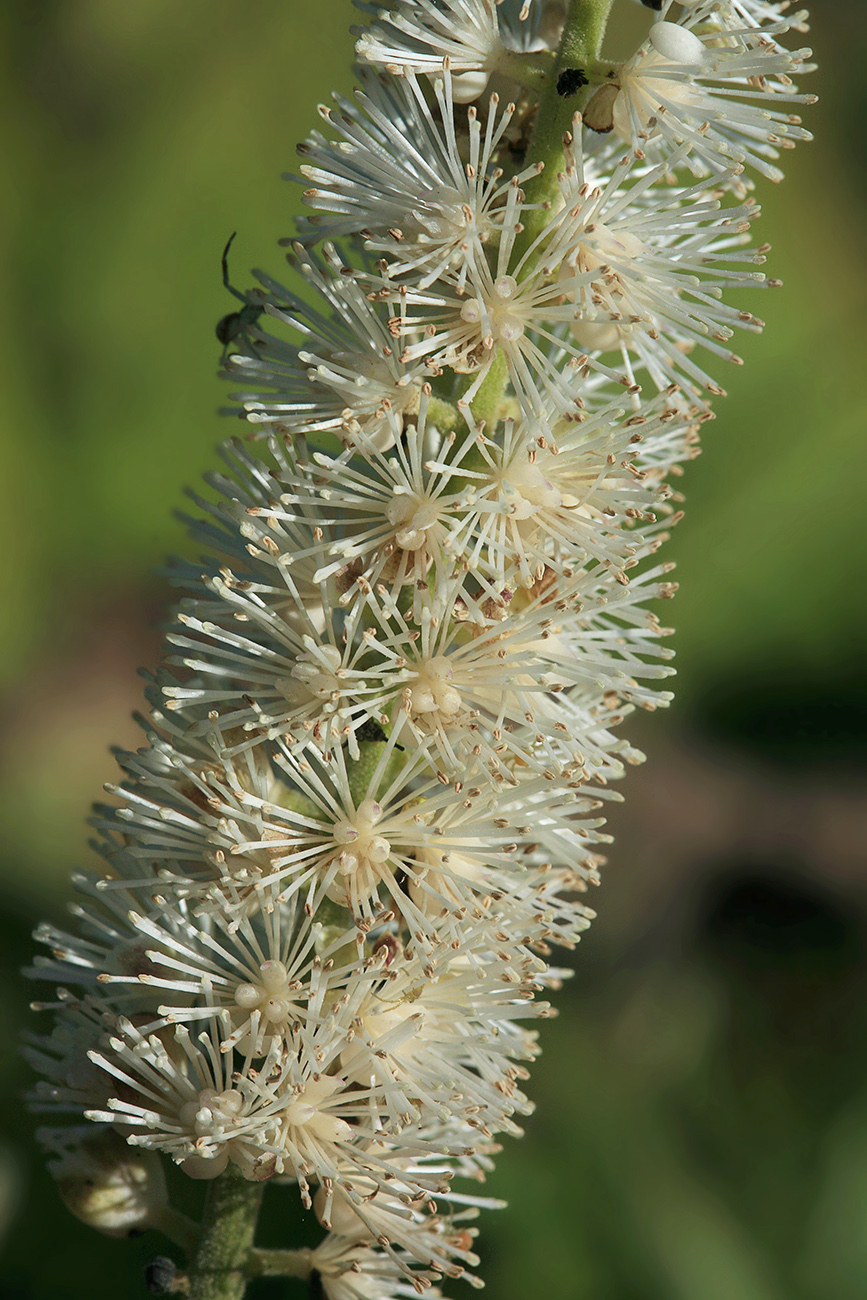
(371, 797)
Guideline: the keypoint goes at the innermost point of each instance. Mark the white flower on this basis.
(657, 268)
(205, 1109)
(419, 34)
(340, 374)
(444, 1040)
(516, 314)
(723, 103)
(407, 1223)
(564, 494)
(742, 22)
(182, 1097)
(382, 517)
(420, 192)
(356, 1271)
(69, 1080)
(615, 267)
(499, 693)
(311, 686)
(240, 560)
(105, 950)
(263, 976)
(371, 797)
(103, 1183)
(409, 848)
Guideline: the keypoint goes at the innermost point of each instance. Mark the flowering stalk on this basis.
(368, 805)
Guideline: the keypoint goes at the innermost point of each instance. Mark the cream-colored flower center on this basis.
(359, 845)
(212, 1112)
(443, 872)
(672, 46)
(367, 385)
(504, 313)
(271, 994)
(306, 1113)
(400, 1030)
(314, 675)
(451, 223)
(432, 689)
(609, 254)
(526, 489)
(411, 517)
(354, 372)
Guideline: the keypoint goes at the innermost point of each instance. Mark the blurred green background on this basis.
(701, 1131)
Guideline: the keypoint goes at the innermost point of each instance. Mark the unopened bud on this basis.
(110, 1185)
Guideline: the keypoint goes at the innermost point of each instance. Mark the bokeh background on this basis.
(701, 1131)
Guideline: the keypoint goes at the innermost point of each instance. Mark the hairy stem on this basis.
(528, 70)
(219, 1269)
(487, 401)
(579, 50)
(280, 1263)
(361, 771)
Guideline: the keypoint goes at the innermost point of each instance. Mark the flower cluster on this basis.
(369, 800)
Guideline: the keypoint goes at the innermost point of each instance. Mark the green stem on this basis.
(579, 48)
(488, 400)
(219, 1269)
(529, 70)
(443, 414)
(359, 773)
(280, 1263)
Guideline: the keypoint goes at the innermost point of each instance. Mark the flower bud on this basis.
(677, 44)
(111, 1186)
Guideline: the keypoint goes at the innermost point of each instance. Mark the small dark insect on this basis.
(570, 80)
(161, 1276)
(370, 730)
(236, 322)
(652, 4)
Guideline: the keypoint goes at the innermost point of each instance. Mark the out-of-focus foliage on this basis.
(711, 1053)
